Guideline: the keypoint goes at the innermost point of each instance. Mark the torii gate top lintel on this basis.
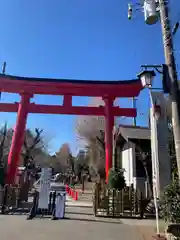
(49, 86)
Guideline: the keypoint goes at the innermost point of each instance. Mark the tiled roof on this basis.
(130, 132)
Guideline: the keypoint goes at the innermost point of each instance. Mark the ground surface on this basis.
(18, 228)
(146, 227)
(79, 223)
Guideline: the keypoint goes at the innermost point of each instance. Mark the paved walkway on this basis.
(80, 203)
(79, 223)
(81, 210)
(18, 228)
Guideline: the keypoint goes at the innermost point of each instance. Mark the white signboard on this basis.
(45, 181)
(60, 205)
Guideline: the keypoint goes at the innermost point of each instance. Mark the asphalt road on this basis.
(18, 228)
(79, 224)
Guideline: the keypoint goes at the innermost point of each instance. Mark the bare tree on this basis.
(3, 136)
(91, 132)
(65, 158)
(32, 146)
(5, 143)
(53, 162)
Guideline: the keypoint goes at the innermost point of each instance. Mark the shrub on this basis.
(170, 207)
(116, 179)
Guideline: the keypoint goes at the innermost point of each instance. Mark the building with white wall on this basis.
(132, 142)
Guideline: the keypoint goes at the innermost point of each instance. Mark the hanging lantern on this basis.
(157, 110)
(150, 13)
(146, 78)
(129, 11)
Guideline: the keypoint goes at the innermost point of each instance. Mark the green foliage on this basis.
(170, 208)
(170, 204)
(116, 179)
(174, 169)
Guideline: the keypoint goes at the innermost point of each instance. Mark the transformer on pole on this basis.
(150, 8)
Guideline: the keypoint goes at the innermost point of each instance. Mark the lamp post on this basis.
(146, 78)
(158, 123)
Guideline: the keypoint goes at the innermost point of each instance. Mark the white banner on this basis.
(154, 153)
(159, 143)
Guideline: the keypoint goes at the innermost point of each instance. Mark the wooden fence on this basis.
(13, 197)
(113, 203)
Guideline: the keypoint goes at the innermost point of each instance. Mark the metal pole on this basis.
(170, 61)
(4, 68)
(134, 106)
(156, 208)
(114, 149)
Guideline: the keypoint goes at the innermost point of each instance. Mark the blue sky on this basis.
(79, 39)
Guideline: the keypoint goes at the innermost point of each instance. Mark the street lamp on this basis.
(146, 78)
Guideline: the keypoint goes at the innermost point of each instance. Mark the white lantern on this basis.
(146, 78)
(150, 13)
(157, 112)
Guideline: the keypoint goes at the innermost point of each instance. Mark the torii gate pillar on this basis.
(109, 124)
(18, 137)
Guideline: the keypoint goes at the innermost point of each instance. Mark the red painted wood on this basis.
(109, 116)
(75, 89)
(18, 138)
(67, 101)
(71, 110)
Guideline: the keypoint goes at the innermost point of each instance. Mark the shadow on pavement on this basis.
(78, 206)
(94, 220)
(81, 213)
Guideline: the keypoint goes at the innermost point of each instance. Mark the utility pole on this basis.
(170, 62)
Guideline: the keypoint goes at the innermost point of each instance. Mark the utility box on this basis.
(150, 12)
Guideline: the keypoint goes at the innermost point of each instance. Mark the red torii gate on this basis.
(26, 87)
